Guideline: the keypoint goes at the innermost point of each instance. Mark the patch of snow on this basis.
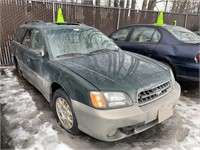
(190, 116)
(26, 129)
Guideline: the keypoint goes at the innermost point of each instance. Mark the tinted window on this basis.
(145, 35)
(121, 34)
(33, 40)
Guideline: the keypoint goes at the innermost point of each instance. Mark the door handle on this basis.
(148, 50)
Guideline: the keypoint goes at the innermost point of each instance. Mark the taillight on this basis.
(197, 58)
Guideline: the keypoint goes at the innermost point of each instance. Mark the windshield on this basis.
(183, 34)
(78, 41)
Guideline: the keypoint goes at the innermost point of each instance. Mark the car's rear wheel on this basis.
(64, 111)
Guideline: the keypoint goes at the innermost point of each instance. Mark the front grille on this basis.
(153, 94)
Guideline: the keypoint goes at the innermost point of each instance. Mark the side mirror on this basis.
(41, 53)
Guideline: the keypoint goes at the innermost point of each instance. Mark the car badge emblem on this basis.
(158, 92)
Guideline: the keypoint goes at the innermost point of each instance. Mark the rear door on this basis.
(33, 46)
(143, 40)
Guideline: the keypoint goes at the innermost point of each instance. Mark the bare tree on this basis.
(186, 6)
(174, 6)
(166, 4)
(133, 4)
(152, 4)
(116, 3)
(182, 6)
(111, 3)
(98, 2)
(144, 5)
(198, 9)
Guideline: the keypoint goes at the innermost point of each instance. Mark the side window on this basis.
(18, 36)
(121, 34)
(145, 35)
(156, 37)
(33, 40)
(27, 38)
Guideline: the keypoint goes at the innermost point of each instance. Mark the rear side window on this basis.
(19, 34)
(121, 34)
(33, 40)
(145, 35)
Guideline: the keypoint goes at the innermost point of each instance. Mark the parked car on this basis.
(91, 84)
(175, 46)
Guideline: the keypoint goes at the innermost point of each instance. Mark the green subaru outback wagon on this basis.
(91, 84)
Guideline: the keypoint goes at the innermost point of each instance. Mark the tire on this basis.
(64, 112)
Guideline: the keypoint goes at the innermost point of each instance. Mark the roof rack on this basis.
(69, 23)
(34, 22)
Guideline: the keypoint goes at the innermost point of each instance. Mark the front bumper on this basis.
(115, 124)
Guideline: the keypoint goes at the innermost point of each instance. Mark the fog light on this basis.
(112, 132)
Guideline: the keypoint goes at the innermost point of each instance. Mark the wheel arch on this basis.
(55, 86)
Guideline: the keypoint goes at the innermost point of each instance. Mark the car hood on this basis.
(118, 71)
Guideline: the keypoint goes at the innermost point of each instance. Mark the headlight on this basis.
(110, 99)
(172, 77)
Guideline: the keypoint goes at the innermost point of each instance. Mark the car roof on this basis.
(149, 25)
(51, 25)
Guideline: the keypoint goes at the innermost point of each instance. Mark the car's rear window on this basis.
(182, 34)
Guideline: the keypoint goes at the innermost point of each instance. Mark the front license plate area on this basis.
(164, 113)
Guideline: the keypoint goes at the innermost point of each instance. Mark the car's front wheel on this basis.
(64, 111)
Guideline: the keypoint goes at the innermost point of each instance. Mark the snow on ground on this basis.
(26, 128)
(191, 120)
(32, 125)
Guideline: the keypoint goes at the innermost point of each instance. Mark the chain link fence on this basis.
(13, 13)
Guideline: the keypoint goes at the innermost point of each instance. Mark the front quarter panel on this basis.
(76, 87)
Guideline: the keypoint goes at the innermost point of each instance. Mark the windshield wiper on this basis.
(102, 51)
(70, 55)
